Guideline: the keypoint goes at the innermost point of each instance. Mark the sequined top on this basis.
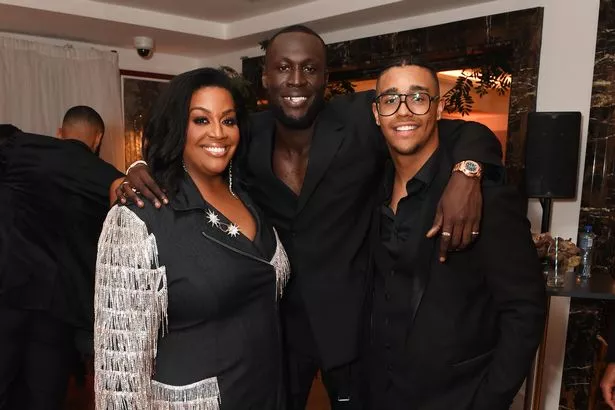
(186, 311)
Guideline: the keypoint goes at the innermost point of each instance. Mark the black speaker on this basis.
(552, 154)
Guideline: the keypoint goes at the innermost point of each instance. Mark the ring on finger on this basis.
(448, 234)
(125, 182)
(475, 233)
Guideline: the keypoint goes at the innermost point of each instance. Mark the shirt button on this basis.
(392, 272)
(386, 321)
(387, 296)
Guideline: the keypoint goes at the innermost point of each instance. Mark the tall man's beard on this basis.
(305, 121)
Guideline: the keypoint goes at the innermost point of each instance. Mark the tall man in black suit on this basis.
(459, 335)
(54, 196)
(314, 168)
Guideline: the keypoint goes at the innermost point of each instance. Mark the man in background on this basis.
(54, 196)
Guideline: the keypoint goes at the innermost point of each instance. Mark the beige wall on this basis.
(128, 58)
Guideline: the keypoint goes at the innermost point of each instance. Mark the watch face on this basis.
(471, 166)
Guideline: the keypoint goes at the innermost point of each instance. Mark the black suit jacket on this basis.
(469, 328)
(325, 228)
(54, 196)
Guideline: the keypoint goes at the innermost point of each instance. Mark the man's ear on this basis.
(97, 142)
(375, 112)
(441, 103)
(59, 132)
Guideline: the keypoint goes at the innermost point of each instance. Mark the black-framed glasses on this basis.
(419, 103)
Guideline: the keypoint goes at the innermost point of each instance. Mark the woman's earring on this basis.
(230, 179)
(184, 167)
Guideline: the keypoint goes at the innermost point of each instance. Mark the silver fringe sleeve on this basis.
(281, 265)
(202, 395)
(130, 306)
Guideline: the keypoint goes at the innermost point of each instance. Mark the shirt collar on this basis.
(187, 196)
(79, 143)
(420, 181)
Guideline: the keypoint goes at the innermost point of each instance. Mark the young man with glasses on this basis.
(459, 335)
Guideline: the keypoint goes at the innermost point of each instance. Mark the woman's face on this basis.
(212, 134)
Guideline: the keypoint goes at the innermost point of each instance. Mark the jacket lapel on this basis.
(188, 199)
(261, 147)
(420, 259)
(328, 135)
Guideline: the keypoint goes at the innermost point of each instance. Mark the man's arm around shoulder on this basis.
(469, 140)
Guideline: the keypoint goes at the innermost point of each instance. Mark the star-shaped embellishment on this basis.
(232, 230)
(213, 218)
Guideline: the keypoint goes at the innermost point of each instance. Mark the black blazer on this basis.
(325, 228)
(54, 196)
(222, 304)
(473, 323)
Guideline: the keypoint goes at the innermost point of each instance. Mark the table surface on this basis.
(599, 286)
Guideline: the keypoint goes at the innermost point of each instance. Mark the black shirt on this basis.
(397, 231)
(54, 196)
(397, 227)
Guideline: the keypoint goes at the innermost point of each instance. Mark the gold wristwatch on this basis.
(470, 168)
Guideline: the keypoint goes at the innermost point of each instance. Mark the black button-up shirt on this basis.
(398, 233)
(54, 197)
(396, 228)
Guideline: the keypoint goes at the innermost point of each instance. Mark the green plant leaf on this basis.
(494, 75)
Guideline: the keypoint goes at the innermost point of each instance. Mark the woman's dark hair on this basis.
(164, 136)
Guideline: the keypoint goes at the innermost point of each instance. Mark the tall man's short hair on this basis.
(297, 28)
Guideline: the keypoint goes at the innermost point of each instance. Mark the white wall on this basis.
(564, 83)
(231, 59)
(128, 58)
(159, 63)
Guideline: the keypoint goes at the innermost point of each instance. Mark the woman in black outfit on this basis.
(186, 295)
